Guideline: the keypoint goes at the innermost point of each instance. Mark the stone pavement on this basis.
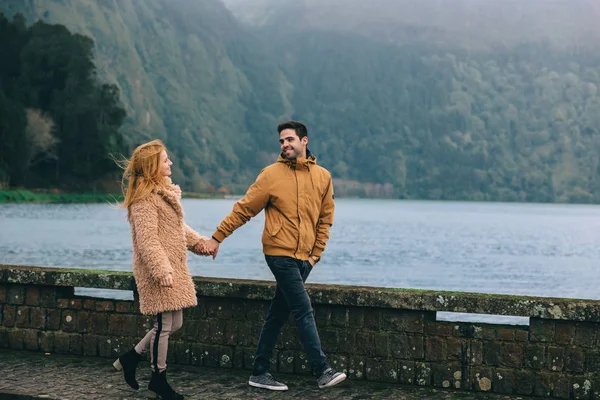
(30, 375)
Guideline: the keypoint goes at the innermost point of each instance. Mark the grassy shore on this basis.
(28, 196)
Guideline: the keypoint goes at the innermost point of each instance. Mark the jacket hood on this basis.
(307, 162)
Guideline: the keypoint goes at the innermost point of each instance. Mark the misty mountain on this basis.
(188, 73)
(494, 100)
(472, 24)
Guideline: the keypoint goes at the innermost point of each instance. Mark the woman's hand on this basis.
(166, 281)
(202, 249)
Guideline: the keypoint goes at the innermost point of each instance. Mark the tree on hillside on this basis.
(59, 123)
(40, 137)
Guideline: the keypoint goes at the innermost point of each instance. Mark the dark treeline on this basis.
(58, 123)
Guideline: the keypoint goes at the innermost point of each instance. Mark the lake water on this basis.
(528, 249)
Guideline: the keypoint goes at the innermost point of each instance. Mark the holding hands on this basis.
(208, 248)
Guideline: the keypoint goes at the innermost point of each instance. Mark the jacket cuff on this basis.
(316, 252)
(218, 236)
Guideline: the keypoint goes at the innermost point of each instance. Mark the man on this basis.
(297, 196)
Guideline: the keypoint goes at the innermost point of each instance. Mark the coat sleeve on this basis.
(193, 238)
(144, 219)
(325, 221)
(254, 201)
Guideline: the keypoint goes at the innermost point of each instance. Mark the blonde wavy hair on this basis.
(141, 174)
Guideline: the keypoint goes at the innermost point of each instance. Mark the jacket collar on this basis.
(171, 193)
(299, 163)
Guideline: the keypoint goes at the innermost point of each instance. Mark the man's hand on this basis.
(212, 247)
(311, 261)
(166, 281)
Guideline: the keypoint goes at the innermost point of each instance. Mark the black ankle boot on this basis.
(158, 386)
(128, 363)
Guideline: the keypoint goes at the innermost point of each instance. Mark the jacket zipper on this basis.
(297, 211)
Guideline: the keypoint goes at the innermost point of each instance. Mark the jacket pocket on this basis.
(274, 223)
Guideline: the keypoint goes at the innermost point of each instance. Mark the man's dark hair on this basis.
(298, 127)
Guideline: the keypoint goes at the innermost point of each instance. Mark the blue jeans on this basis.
(290, 295)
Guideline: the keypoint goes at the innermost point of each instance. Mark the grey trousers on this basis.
(157, 338)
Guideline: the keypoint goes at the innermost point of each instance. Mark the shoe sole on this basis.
(335, 381)
(152, 395)
(276, 388)
(117, 365)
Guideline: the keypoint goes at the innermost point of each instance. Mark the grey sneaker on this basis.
(330, 378)
(266, 381)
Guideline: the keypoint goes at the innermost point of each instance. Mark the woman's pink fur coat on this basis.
(160, 242)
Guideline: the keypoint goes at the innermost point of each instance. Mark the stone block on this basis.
(90, 345)
(124, 307)
(482, 378)
(84, 321)
(37, 318)
(535, 356)
(565, 332)
(505, 334)
(364, 343)
(434, 349)
(30, 339)
(99, 324)
(585, 334)
(22, 317)
(218, 309)
(407, 372)
(15, 294)
(512, 355)
(440, 329)
(475, 353)
(503, 381)
(216, 332)
(356, 317)
(105, 306)
(574, 359)
(454, 349)
(556, 358)
(423, 373)
(15, 339)
(381, 370)
(48, 296)
(382, 345)
(356, 369)
(9, 315)
(524, 382)
(286, 361)
(322, 316)
(69, 321)
(371, 316)
(541, 330)
(301, 365)
(89, 304)
(218, 356)
(32, 296)
(446, 375)
(408, 347)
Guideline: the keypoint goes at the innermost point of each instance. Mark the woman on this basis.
(160, 243)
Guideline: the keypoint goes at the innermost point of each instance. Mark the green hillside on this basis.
(475, 101)
(188, 74)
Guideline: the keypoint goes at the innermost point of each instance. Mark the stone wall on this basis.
(376, 334)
